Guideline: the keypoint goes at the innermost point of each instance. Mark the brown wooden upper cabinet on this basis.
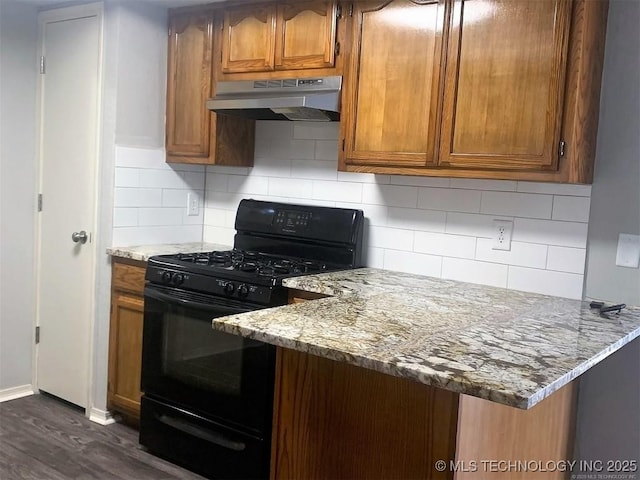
(193, 133)
(390, 102)
(504, 84)
(474, 88)
(282, 36)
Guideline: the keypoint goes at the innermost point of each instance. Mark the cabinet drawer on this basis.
(128, 276)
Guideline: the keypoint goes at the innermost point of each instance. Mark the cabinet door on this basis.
(305, 35)
(189, 85)
(248, 40)
(504, 84)
(391, 92)
(125, 353)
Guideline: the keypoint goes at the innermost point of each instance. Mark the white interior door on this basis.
(69, 108)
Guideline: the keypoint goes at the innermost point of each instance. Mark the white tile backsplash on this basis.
(478, 184)
(248, 185)
(471, 224)
(522, 254)
(413, 262)
(565, 259)
(550, 232)
(516, 204)
(546, 282)
(432, 226)
(416, 219)
(572, 209)
(449, 199)
(390, 195)
(337, 191)
(445, 245)
(486, 273)
(395, 238)
(150, 198)
(555, 189)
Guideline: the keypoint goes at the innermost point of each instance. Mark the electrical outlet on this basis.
(502, 231)
(193, 204)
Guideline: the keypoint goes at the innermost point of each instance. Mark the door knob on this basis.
(80, 237)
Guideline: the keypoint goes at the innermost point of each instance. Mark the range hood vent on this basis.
(306, 99)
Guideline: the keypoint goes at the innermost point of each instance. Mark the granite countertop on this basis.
(143, 252)
(506, 346)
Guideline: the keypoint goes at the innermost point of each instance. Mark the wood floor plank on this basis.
(42, 438)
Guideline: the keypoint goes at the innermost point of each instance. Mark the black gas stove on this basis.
(208, 395)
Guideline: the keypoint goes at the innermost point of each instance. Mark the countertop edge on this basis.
(142, 253)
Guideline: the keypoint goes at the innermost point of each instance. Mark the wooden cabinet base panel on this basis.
(337, 421)
(525, 441)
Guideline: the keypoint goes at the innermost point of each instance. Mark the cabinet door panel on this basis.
(189, 85)
(305, 35)
(125, 353)
(248, 41)
(505, 83)
(391, 93)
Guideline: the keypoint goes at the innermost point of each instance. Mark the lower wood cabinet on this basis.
(125, 338)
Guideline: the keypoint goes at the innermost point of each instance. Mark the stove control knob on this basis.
(178, 279)
(243, 290)
(229, 288)
(166, 277)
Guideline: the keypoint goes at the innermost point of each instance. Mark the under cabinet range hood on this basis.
(308, 99)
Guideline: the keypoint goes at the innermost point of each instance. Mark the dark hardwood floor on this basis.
(44, 438)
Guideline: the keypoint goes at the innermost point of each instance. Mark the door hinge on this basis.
(37, 335)
(39, 202)
(339, 11)
(561, 148)
(42, 65)
(343, 144)
(337, 48)
(351, 9)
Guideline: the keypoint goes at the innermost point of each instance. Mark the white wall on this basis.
(609, 405)
(18, 43)
(135, 52)
(439, 227)
(150, 196)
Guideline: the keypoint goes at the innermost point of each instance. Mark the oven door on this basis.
(188, 364)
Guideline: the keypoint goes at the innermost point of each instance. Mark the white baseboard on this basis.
(12, 393)
(103, 417)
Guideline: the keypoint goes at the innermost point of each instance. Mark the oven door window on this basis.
(188, 363)
(195, 356)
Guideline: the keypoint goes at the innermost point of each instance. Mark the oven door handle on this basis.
(201, 433)
(192, 304)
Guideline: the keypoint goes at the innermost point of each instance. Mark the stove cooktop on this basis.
(252, 264)
(236, 274)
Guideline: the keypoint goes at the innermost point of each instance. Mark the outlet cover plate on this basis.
(193, 204)
(502, 232)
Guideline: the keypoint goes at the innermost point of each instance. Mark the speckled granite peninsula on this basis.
(510, 347)
(143, 252)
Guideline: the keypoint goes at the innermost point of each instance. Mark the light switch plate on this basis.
(628, 253)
